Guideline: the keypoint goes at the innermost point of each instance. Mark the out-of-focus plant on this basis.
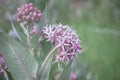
(24, 57)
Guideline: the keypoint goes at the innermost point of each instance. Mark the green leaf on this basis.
(20, 62)
(66, 72)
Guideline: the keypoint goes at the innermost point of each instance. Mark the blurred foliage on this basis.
(96, 22)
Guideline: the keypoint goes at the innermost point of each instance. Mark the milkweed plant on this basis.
(22, 57)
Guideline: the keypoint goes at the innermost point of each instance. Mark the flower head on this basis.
(28, 13)
(65, 38)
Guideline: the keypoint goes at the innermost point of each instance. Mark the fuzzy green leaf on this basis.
(20, 62)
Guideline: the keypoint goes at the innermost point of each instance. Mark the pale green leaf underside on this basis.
(20, 62)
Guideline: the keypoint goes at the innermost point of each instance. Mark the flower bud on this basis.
(30, 4)
(19, 20)
(19, 14)
(35, 14)
(39, 14)
(31, 8)
(26, 6)
(35, 30)
(25, 23)
(73, 76)
(26, 10)
(3, 65)
(27, 17)
(27, 14)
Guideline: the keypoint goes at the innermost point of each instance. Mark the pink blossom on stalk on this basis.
(3, 65)
(73, 76)
(35, 30)
(28, 13)
(65, 38)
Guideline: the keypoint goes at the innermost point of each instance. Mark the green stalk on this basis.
(45, 61)
(6, 76)
(27, 33)
(29, 41)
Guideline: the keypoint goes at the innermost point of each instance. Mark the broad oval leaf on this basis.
(20, 62)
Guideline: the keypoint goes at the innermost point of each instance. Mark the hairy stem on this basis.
(45, 61)
(27, 33)
(29, 41)
(6, 76)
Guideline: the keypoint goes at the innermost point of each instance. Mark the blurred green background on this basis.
(96, 21)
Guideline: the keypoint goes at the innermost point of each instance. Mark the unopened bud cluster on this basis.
(28, 13)
(65, 38)
(3, 65)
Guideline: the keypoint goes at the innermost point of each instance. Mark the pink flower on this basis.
(73, 76)
(2, 64)
(27, 13)
(65, 38)
(35, 30)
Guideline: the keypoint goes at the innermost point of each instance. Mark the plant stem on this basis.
(46, 59)
(6, 76)
(29, 41)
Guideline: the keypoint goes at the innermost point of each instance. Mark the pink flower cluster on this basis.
(65, 39)
(28, 13)
(2, 64)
